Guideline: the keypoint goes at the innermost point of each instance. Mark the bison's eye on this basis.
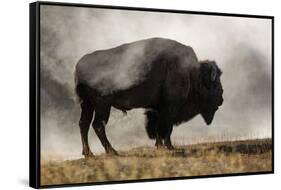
(215, 83)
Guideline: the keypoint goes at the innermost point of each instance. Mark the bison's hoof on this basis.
(171, 147)
(88, 155)
(112, 152)
(159, 146)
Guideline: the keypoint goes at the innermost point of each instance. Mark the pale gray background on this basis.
(241, 47)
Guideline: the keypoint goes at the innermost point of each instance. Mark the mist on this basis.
(240, 46)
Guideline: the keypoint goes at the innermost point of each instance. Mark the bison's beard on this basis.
(208, 116)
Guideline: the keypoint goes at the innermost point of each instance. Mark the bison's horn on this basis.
(213, 74)
(213, 71)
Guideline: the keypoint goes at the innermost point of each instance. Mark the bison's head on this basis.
(210, 90)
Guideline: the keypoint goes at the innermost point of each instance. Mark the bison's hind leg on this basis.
(102, 113)
(87, 110)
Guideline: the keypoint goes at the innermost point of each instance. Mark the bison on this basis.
(160, 75)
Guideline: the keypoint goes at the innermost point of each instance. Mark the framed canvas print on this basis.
(122, 94)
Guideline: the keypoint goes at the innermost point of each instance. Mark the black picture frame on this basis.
(34, 93)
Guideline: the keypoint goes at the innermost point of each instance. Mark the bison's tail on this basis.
(151, 122)
(76, 83)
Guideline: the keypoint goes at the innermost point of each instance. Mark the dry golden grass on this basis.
(147, 163)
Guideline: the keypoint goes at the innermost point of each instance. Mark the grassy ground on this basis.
(147, 162)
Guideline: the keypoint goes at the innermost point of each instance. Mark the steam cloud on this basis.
(240, 46)
(126, 70)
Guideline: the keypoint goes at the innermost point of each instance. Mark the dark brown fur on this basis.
(175, 87)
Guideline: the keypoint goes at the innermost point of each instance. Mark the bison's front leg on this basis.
(167, 140)
(159, 141)
(84, 124)
(166, 127)
(101, 118)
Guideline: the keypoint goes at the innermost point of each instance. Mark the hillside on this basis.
(148, 162)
